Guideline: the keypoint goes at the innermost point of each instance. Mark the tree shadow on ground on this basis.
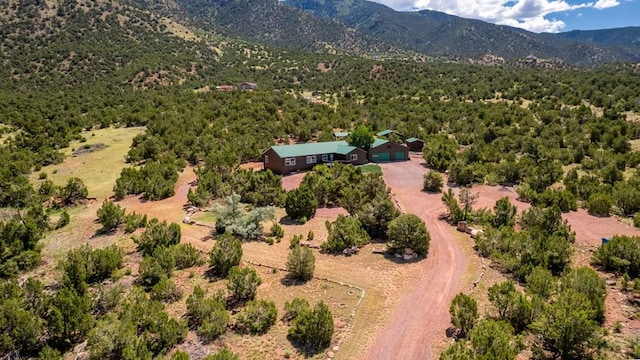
(305, 350)
(289, 280)
(285, 220)
(213, 275)
(391, 257)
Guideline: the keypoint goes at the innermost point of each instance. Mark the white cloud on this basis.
(532, 15)
(603, 4)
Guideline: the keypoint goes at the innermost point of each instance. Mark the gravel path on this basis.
(422, 316)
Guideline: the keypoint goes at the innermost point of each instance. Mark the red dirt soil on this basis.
(291, 182)
(169, 209)
(589, 229)
(422, 316)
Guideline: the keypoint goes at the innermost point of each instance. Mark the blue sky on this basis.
(535, 15)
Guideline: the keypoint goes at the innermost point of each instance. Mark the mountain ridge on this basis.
(438, 34)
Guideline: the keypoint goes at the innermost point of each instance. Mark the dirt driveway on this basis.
(422, 316)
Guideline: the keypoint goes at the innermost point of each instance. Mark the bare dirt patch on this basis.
(291, 182)
(591, 229)
(171, 209)
(255, 166)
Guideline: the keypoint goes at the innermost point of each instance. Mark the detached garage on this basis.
(415, 144)
(384, 151)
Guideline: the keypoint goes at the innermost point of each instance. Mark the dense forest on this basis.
(565, 138)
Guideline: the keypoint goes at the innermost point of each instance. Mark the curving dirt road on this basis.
(422, 316)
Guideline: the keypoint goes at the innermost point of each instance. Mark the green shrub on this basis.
(110, 215)
(155, 268)
(198, 306)
(295, 241)
(85, 265)
(620, 255)
(344, 233)
(158, 234)
(257, 316)
(243, 283)
(277, 230)
(134, 222)
(464, 312)
(313, 327)
(599, 204)
(214, 323)
(376, 215)
(636, 219)
(526, 193)
(301, 203)
(408, 231)
(310, 235)
(73, 191)
(432, 182)
(225, 254)
(186, 256)
(301, 263)
(63, 220)
(223, 354)
(165, 290)
(49, 353)
(294, 308)
(231, 218)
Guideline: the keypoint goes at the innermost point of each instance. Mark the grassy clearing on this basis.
(371, 168)
(98, 170)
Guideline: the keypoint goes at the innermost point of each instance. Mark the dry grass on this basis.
(384, 282)
(274, 344)
(98, 170)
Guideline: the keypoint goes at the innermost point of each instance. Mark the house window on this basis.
(325, 157)
(266, 159)
(353, 157)
(290, 162)
(312, 159)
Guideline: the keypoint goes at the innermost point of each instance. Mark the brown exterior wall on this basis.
(390, 148)
(274, 163)
(362, 157)
(416, 145)
(277, 164)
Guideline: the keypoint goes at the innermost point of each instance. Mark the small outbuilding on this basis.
(414, 144)
(388, 132)
(383, 150)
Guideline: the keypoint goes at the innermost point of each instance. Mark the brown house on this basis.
(384, 150)
(415, 144)
(248, 86)
(285, 159)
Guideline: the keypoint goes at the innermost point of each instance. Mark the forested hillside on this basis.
(438, 34)
(626, 37)
(272, 23)
(565, 138)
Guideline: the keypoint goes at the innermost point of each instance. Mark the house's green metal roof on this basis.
(385, 132)
(341, 133)
(412, 139)
(377, 142)
(344, 149)
(327, 147)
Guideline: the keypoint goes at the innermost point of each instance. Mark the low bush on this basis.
(186, 256)
(165, 290)
(257, 317)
